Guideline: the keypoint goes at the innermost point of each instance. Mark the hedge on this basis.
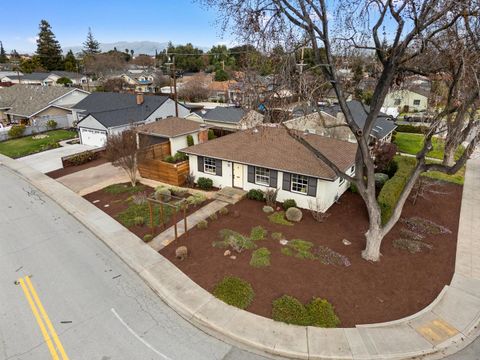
(391, 191)
(234, 291)
(412, 129)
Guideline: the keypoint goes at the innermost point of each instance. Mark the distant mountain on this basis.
(139, 47)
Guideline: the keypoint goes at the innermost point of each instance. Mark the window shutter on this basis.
(273, 178)
(286, 181)
(312, 186)
(251, 174)
(200, 163)
(218, 167)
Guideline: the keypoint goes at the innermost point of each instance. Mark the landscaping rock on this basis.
(181, 252)
(107, 205)
(293, 214)
(268, 209)
(279, 208)
(233, 257)
(346, 242)
(227, 253)
(95, 201)
(283, 242)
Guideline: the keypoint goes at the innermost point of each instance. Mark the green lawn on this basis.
(24, 146)
(413, 143)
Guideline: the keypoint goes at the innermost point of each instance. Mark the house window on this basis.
(262, 176)
(398, 101)
(416, 102)
(342, 180)
(299, 183)
(209, 166)
(352, 170)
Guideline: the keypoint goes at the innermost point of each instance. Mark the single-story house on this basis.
(45, 78)
(174, 131)
(328, 120)
(104, 113)
(406, 100)
(34, 105)
(267, 157)
(228, 118)
(219, 91)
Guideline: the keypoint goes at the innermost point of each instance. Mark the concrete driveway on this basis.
(50, 160)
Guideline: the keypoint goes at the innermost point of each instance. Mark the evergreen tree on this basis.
(91, 46)
(49, 51)
(70, 62)
(3, 54)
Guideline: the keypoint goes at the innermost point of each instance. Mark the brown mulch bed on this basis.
(117, 204)
(55, 174)
(399, 285)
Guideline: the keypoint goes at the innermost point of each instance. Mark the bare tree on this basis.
(195, 89)
(122, 151)
(414, 29)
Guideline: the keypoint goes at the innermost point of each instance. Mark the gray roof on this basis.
(40, 76)
(115, 109)
(25, 100)
(224, 114)
(67, 74)
(383, 125)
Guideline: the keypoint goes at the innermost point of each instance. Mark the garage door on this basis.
(93, 137)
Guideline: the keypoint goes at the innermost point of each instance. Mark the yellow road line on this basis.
(39, 321)
(50, 327)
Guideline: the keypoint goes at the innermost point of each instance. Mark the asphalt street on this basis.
(61, 288)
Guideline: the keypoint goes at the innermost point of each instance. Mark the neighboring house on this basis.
(45, 78)
(219, 91)
(228, 118)
(405, 100)
(34, 105)
(174, 131)
(330, 119)
(108, 113)
(141, 80)
(266, 157)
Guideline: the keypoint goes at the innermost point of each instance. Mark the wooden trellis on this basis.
(181, 204)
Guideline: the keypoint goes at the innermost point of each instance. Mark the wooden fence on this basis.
(157, 151)
(159, 170)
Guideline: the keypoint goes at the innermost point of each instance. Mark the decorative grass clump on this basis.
(258, 233)
(213, 216)
(279, 218)
(319, 312)
(412, 246)
(202, 224)
(260, 258)
(299, 248)
(147, 238)
(234, 291)
(425, 226)
(223, 211)
(239, 242)
(117, 189)
(277, 236)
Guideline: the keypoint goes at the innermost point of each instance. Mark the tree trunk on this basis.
(374, 237)
(449, 155)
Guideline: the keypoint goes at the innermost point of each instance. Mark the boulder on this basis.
(268, 209)
(293, 214)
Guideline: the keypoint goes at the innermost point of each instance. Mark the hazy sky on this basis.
(179, 21)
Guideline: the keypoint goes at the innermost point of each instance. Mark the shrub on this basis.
(163, 194)
(322, 314)
(277, 236)
(190, 140)
(203, 224)
(179, 157)
(425, 226)
(271, 197)
(268, 209)
(223, 211)
(412, 129)
(258, 233)
(147, 238)
(221, 75)
(390, 193)
(204, 183)
(169, 159)
(353, 188)
(234, 291)
(196, 199)
(255, 194)
(234, 240)
(213, 216)
(51, 124)
(139, 220)
(299, 248)
(16, 131)
(384, 153)
(380, 180)
(391, 168)
(412, 246)
(178, 191)
(211, 135)
(190, 180)
(289, 310)
(293, 214)
(329, 257)
(278, 217)
(82, 158)
(139, 198)
(289, 203)
(260, 258)
(319, 312)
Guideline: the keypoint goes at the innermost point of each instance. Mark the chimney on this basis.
(139, 98)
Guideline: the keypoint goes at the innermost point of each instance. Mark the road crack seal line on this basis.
(34, 195)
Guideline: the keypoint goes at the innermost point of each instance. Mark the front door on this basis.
(238, 175)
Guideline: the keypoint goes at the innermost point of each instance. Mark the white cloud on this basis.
(32, 39)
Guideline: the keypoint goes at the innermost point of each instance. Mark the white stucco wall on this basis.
(71, 99)
(168, 109)
(327, 191)
(180, 142)
(406, 98)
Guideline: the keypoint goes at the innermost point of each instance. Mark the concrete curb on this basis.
(444, 327)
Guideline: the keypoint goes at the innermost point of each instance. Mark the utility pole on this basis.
(223, 65)
(175, 87)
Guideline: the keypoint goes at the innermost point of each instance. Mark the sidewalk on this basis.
(442, 328)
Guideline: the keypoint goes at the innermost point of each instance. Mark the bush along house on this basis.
(267, 157)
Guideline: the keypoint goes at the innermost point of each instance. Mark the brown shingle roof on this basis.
(171, 127)
(273, 148)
